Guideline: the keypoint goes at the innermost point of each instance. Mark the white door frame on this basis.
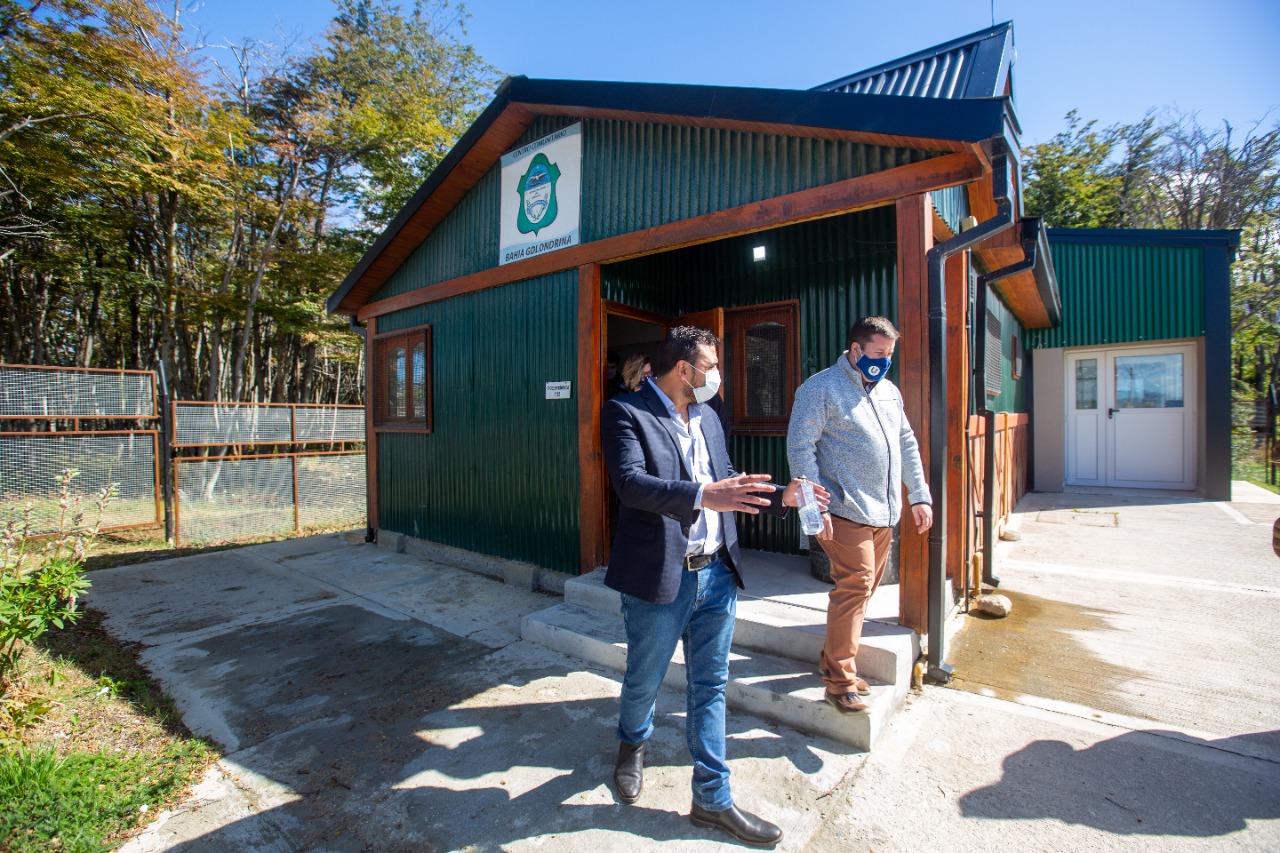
(1094, 436)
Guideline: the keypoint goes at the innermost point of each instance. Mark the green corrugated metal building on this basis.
(578, 218)
(1132, 388)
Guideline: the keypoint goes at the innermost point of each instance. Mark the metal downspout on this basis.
(939, 671)
(1030, 236)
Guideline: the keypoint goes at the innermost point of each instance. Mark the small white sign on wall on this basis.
(559, 390)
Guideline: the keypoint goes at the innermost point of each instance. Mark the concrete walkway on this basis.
(369, 700)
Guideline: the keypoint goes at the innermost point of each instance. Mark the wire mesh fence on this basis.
(220, 495)
(257, 424)
(32, 465)
(230, 498)
(42, 392)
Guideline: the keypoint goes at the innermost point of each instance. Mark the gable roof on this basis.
(902, 122)
(973, 66)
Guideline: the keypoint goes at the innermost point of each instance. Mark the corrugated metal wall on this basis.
(952, 204)
(637, 176)
(1013, 392)
(839, 269)
(499, 473)
(1115, 294)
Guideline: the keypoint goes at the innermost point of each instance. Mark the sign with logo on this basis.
(541, 196)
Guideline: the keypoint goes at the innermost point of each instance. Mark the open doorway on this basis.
(628, 331)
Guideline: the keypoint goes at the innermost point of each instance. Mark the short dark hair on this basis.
(681, 344)
(865, 329)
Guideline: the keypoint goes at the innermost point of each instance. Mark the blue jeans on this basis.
(702, 616)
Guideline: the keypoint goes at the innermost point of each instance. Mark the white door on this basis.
(1131, 418)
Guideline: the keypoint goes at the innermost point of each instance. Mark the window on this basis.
(1015, 348)
(764, 346)
(401, 396)
(995, 381)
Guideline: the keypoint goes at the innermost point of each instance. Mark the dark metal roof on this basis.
(895, 121)
(973, 66)
(1190, 238)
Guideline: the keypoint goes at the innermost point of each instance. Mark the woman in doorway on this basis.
(635, 370)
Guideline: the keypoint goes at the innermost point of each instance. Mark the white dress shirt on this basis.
(705, 535)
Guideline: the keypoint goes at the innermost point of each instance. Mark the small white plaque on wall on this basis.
(559, 390)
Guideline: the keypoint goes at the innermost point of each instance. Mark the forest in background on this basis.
(166, 200)
(161, 201)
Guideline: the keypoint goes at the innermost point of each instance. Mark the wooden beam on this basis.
(591, 478)
(827, 200)
(370, 435)
(915, 238)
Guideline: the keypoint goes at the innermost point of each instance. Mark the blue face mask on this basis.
(874, 369)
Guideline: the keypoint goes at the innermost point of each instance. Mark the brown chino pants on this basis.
(858, 556)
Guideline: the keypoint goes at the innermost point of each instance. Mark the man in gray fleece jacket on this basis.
(849, 433)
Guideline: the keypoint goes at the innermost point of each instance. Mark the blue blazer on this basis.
(656, 492)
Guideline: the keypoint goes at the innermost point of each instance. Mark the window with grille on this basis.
(401, 396)
(994, 380)
(765, 364)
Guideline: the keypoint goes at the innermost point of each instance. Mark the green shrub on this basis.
(40, 585)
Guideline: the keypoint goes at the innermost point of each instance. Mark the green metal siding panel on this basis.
(952, 205)
(499, 473)
(838, 269)
(1013, 392)
(638, 176)
(1114, 294)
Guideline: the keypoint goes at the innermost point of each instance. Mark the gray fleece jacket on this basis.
(858, 445)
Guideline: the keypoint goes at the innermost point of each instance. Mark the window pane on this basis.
(395, 383)
(419, 390)
(994, 372)
(765, 347)
(1149, 381)
(1087, 383)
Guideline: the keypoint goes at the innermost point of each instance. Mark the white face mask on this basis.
(706, 392)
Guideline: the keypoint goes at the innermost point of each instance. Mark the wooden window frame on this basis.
(1016, 353)
(737, 321)
(413, 421)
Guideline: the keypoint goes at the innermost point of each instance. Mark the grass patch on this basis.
(104, 740)
(108, 753)
(83, 801)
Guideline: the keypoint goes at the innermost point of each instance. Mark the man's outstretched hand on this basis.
(738, 494)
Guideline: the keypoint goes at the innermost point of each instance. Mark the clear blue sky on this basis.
(1110, 59)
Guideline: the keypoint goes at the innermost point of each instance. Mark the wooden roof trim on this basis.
(832, 199)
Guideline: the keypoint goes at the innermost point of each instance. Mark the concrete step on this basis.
(785, 690)
(782, 629)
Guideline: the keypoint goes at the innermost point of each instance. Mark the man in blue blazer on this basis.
(675, 560)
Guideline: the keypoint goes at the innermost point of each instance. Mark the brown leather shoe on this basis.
(846, 703)
(742, 825)
(858, 686)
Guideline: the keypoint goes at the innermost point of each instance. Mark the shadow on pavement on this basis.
(1128, 786)
(383, 734)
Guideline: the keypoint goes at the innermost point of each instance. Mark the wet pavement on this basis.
(1167, 613)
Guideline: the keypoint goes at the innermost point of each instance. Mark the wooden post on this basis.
(591, 495)
(915, 239)
(370, 436)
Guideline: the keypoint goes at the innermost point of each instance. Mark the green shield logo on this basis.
(537, 189)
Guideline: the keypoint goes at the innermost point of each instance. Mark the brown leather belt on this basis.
(694, 562)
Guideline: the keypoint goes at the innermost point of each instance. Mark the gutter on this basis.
(1031, 236)
(938, 671)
